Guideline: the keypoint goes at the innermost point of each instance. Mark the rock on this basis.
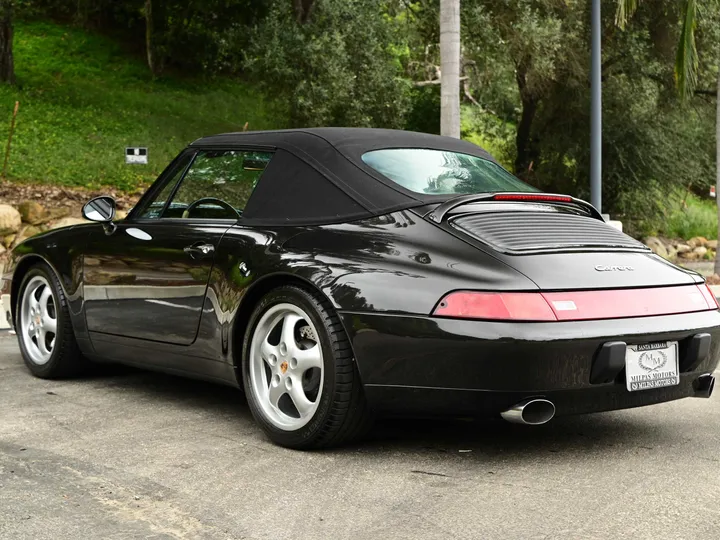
(657, 246)
(700, 250)
(691, 256)
(711, 244)
(10, 220)
(67, 222)
(120, 214)
(32, 212)
(697, 241)
(3, 249)
(683, 248)
(672, 252)
(25, 233)
(8, 240)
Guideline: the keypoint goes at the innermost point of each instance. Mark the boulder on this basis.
(691, 256)
(67, 222)
(700, 250)
(683, 248)
(10, 220)
(3, 249)
(8, 240)
(711, 244)
(697, 241)
(32, 212)
(657, 246)
(25, 233)
(120, 214)
(672, 252)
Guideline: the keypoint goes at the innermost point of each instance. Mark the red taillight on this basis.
(495, 306)
(576, 305)
(708, 295)
(532, 197)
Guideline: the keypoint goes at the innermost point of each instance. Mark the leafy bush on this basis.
(699, 218)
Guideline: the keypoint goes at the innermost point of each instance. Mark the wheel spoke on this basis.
(41, 343)
(267, 350)
(44, 297)
(275, 393)
(288, 331)
(297, 394)
(49, 324)
(308, 358)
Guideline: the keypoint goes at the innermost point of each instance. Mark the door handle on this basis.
(199, 250)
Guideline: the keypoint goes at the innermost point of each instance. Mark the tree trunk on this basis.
(149, 36)
(7, 64)
(302, 10)
(717, 186)
(450, 68)
(527, 152)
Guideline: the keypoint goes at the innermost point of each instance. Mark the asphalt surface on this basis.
(129, 454)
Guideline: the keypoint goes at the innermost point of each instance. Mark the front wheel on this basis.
(298, 371)
(45, 333)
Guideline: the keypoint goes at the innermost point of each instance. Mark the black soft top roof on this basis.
(318, 176)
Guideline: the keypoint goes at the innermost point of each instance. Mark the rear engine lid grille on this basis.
(528, 232)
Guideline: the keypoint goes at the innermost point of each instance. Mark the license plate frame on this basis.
(650, 366)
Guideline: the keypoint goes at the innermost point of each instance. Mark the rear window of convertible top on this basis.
(439, 172)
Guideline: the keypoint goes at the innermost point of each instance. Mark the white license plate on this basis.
(651, 365)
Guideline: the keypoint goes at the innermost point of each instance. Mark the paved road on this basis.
(129, 454)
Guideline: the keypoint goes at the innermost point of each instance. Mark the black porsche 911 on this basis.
(335, 274)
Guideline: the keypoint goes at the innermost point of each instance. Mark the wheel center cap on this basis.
(38, 320)
(283, 367)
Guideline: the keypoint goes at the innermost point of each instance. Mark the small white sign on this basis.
(137, 155)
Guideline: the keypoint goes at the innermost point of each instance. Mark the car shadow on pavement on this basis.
(484, 439)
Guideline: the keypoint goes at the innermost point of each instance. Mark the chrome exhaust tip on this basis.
(704, 386)
(531, 412)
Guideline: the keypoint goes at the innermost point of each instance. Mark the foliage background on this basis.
(86, 90)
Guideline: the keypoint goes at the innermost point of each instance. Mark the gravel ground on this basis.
(128, 454)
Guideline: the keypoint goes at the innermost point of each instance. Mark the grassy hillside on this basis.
(83, 100)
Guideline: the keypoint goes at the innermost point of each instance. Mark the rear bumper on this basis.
(429, 366)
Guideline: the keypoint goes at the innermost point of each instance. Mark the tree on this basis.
(686, 72)
(450, 68)
(337, 68)
(149, 43)
(7, 64)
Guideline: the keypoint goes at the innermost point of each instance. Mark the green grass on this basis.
(699, 218)
(83, 100)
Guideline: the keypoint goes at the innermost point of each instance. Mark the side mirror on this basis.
(100, 209)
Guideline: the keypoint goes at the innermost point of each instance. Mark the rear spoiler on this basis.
(439, 213)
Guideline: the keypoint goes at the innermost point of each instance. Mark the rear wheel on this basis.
(44, 330)
(299, 375)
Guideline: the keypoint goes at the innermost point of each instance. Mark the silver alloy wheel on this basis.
(38, 320)
(286, 367)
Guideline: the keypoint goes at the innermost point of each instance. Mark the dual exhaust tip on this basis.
(531, 412)
(538, 411)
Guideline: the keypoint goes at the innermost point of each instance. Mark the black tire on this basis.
(342, 414)
(66, 359)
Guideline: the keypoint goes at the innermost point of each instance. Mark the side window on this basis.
(155, 207)
(218, 184)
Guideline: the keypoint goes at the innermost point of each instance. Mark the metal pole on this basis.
(596, 110)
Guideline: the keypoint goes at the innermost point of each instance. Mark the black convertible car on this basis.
(339, 273)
